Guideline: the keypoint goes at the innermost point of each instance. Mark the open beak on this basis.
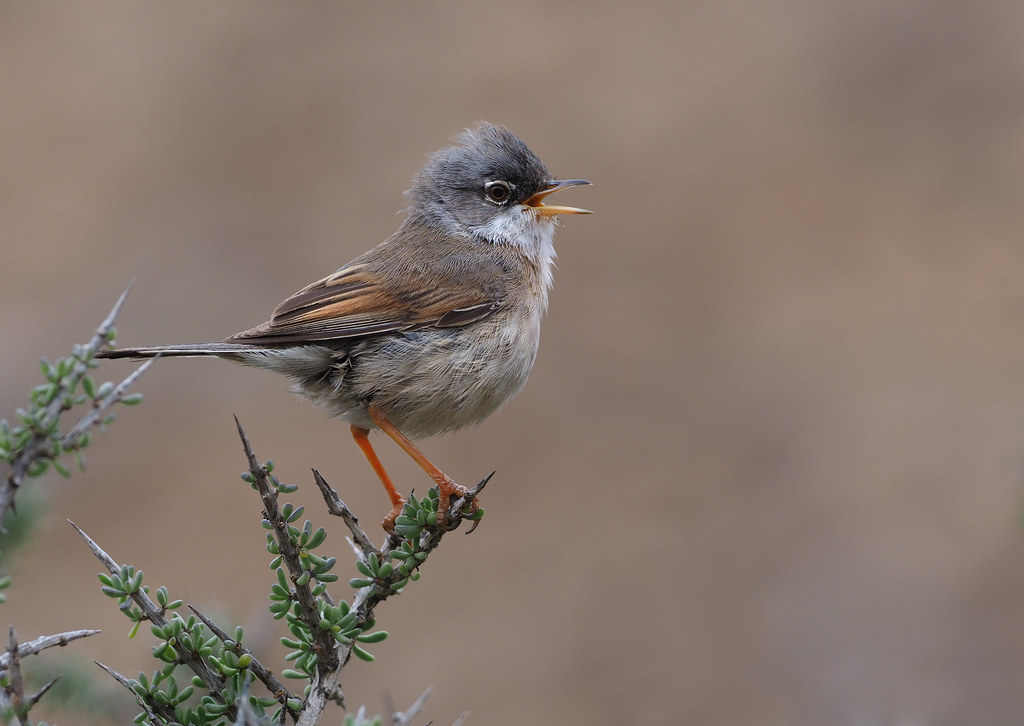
(550, 210)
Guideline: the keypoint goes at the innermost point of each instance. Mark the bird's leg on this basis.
(362, 437)
(446, 486)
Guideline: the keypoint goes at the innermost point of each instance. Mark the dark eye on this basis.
(498, 192)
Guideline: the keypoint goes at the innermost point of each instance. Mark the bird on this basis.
(433, 329)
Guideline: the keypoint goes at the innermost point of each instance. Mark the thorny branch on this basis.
(14, 692)
(13, 695)
(158, 714)
(155, 615)
(40, 443)
(46, 641)
(327, 656)
(263, 675)
(326, 682)
(360, 541)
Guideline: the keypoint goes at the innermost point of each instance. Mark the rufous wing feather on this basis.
(364, 299)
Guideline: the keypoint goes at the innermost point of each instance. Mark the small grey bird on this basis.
(435, 328)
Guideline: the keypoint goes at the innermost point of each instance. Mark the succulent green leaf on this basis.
(372, 637)
(361, 654)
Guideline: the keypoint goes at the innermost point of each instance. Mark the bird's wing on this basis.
(367, 297)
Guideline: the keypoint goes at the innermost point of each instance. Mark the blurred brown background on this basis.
(768, 466)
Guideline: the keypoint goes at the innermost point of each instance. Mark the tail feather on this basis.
(178, 351)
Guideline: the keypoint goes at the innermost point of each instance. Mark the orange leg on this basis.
(446, 487)
(362, 437)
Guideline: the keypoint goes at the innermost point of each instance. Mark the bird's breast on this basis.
(435, 380)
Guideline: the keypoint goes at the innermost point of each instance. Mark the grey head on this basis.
(489, 185)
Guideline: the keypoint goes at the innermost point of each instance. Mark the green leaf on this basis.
(61, 469)
(361, 654)
(317, 538)
(372, 637)
(38, 467)
(409, 532)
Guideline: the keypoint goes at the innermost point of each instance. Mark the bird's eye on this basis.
(498, 192)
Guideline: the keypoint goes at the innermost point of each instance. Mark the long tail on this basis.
(179, 351)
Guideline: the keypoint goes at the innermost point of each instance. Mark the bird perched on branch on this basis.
(436, 327)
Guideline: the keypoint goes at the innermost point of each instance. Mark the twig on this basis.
(40, 440)
(246, 716)
(46, 641)
(321, 691)
(34, 699)
(400, 718)
(276, 688)
(96, 414)
(339, 509)
(10, 661)
(15, 688)
(325, 645)
(155, 711)
(369, 597)
(156, 615)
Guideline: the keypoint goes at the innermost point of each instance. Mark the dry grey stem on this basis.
(46, 641)
(15, 690)
(338, 508)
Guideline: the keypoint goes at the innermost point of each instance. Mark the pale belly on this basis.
(426, 382)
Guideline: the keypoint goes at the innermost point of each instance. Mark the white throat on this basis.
(525, 230)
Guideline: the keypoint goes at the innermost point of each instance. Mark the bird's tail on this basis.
(227, 350)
